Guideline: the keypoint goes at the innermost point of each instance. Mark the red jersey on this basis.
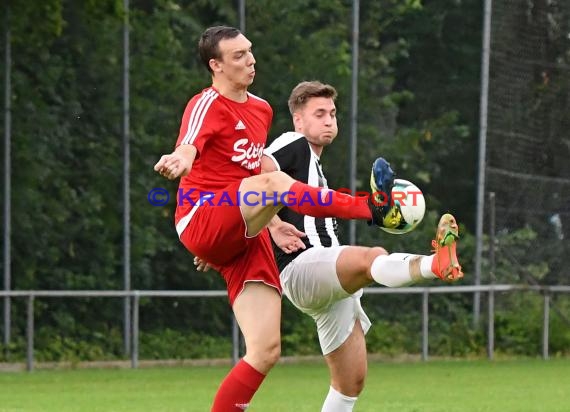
(230, 138)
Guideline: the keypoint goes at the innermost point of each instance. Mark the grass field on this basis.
(435, 386)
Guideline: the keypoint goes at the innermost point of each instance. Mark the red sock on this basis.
(320, 202)
(237, 388)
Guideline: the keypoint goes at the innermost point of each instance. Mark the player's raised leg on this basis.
(269, 192)
(358, 267)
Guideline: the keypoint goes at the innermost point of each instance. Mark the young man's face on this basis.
(236, 64)
(317, 121)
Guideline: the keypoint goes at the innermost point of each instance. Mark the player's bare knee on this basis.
(273, 353)
(265, 357)
(351, 387)
(359, 384)
(371, 255)
(366, 256)
(377, 251)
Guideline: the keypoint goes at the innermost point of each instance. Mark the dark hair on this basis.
(209, 44)
(306, 90)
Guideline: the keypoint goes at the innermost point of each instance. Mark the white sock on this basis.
(400, 269)
(425, 267)
(337, 402)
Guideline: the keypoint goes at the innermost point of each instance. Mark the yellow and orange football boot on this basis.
(445, 264)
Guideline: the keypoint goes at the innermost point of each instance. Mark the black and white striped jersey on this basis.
(293, 155)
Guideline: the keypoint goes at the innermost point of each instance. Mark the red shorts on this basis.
(217, 234)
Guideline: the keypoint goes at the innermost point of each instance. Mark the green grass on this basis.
(436, 386)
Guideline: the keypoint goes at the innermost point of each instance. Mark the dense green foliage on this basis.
(418, 106)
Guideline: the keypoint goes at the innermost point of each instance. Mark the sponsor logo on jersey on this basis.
(248, 154)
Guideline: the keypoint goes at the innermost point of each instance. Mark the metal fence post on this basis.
(491, 308)
(135, 331)
(425, 320)
(30, 334)
(545, 326)
(491, 325)
(7, 214)
(126, 181)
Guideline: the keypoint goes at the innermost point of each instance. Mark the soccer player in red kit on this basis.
(224, 203)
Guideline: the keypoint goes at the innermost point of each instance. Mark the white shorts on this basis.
(311, 283)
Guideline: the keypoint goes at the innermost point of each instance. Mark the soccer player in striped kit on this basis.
(319, 276)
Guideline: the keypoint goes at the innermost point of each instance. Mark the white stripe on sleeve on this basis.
(197, 116)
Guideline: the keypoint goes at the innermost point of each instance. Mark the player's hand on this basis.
(201, 265)
(173, 165)
(287, 237)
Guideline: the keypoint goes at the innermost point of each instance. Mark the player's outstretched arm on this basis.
(178, 163)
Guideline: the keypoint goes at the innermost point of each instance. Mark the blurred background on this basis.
(462, 102)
